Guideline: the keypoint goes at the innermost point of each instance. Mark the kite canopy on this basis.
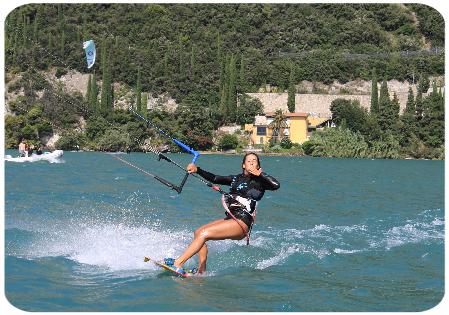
(89, 47)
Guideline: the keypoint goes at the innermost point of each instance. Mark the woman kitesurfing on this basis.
(246, 190)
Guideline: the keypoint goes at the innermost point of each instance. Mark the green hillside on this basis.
(205, 54)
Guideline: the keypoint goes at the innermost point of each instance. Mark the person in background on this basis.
(39, 151)
(21, 149)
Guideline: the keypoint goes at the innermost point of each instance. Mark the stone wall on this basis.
(318, 105)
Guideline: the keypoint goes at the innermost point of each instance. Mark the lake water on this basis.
(339, 235)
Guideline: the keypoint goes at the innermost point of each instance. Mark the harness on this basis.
(243, 185)
(225, 200)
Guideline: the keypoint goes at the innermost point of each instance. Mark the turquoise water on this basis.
(339, 235)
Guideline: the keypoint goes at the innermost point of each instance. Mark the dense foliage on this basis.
(385, 135)
(203, 55)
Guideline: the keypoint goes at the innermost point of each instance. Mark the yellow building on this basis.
(298, 131)
(314, 123)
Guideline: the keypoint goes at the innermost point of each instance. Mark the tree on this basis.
(419, 104)
(182, 67)
(407, 126)
(166, 64)
(242, 79)
(60, 14)
(139, 92)
(63, 45)
(374, 94)
(384, 107)
(144, 110)
(410, 105)
(106, 91)
(93, 95)
(291, 92)
(355, 117)
(232, 93)
(113, 140)
(248, 109)
(192, 62)
(279, 123)
(228, 142)
(433, 119)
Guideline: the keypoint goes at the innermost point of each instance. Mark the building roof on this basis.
(289, 114)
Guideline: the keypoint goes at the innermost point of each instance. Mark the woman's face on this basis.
(250, 163)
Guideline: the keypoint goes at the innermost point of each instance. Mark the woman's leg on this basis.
(203, 258)
(218, 230)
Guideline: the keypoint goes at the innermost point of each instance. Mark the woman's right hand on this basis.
(191, 168)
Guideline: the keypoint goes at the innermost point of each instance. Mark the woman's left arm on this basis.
(269, 182)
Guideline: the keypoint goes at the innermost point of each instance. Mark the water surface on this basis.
(339, 235)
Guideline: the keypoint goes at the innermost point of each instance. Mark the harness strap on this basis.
(223, 201)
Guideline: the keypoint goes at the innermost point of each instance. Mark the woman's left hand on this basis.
(255, 171)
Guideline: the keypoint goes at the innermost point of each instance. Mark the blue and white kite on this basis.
(89, 47)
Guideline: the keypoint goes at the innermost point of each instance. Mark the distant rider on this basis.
(21, 149)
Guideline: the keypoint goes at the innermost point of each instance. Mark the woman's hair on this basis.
(244, 158)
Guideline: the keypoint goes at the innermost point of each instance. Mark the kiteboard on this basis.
(188, 273)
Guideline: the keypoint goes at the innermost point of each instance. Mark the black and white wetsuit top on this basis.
(246, 190)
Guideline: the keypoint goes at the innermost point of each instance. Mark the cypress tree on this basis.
(12, 14)
(433, 120)
(166, 65)
(106, 83)
(60, 17)
(192, 62)
(8, 15)
(291, 91)
(223, 104)
(410, 105)
(144, 111)
(232, 95)
(104, 95)
(222, 82)
(85, 35)
(374, 94)
(445, 105)
(139, 92)
(15, 60)
(36, 26)
(89, 87)
(419, 102)
(106, 98)
(408, 120)
(103, 54)
(93, 99)
(50, 49)
(25, 31)
(242, 79)
(218, 49)
(21, 12)
(110, 84)
(63, 44)
(394, 113)
(182, 69)
(384, 106)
